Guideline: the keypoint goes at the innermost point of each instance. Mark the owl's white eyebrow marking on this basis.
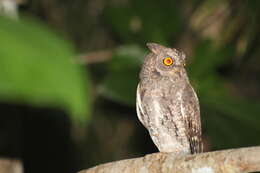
(139, 103)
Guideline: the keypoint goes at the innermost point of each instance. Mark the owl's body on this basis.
(167, 104)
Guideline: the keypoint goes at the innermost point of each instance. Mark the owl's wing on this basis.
(191, 113)
(139, 106)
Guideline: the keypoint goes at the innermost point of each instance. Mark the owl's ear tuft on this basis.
(154, 47)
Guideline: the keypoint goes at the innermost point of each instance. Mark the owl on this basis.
(166, 103)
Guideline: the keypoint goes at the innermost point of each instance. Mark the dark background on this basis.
(65, 114)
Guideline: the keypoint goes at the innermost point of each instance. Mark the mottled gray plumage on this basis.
(167, 104)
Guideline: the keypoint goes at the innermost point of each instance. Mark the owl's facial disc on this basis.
(169, 63)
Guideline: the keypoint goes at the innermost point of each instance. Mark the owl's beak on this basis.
(178, 69)
(177, 72)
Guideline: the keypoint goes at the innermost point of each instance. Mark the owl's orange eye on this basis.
(168, 61)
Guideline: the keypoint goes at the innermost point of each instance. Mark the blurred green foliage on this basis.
(120, 82)
(37, 67)
(141, 21)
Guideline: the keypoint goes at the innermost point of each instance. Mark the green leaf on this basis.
(37, 68)
(121, 81)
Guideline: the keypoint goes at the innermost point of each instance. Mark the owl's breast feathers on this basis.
(170, 112)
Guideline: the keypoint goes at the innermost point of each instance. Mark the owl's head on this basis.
(167, 61)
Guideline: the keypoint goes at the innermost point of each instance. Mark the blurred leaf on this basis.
(229, 116)
(37, 67)
(207, 58)
(238, 109)
(121, 81)
(136, 21)
(227, 132)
